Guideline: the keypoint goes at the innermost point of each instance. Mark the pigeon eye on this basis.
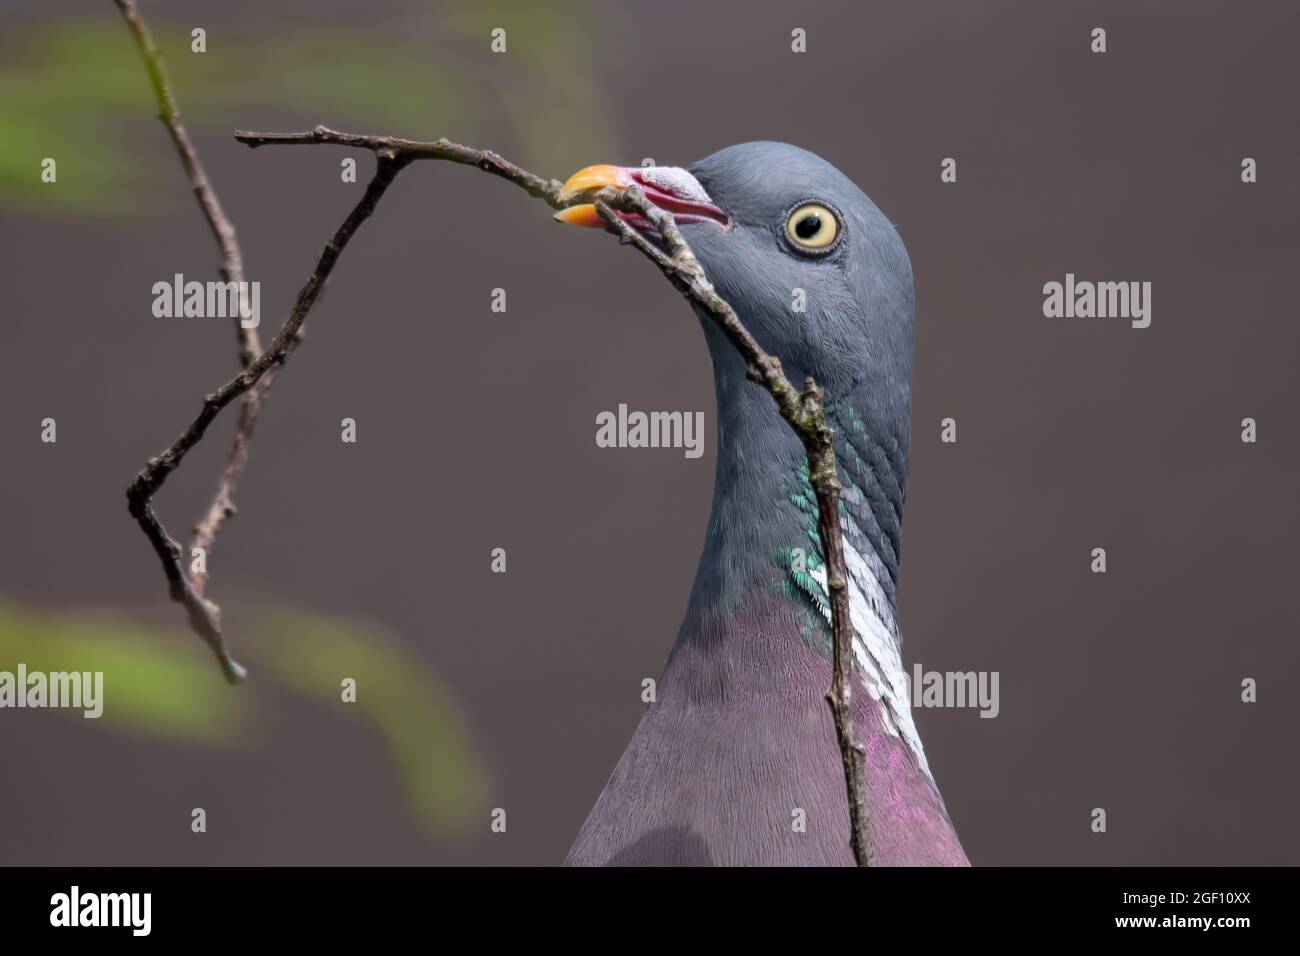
(812, 227)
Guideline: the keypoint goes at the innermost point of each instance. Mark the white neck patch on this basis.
(876, 645)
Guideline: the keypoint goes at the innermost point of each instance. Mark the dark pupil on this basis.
(808, 226)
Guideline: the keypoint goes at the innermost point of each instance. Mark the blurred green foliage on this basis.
(77, 91)
(403, 700)
(157, 686)
(162, 683)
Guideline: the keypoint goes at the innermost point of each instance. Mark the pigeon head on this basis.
(820, 278)
(812, 267)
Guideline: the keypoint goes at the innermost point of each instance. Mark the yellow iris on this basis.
(812, 226)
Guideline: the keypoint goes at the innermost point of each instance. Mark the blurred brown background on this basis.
(476, 430)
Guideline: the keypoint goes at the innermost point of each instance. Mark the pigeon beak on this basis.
(669, 187)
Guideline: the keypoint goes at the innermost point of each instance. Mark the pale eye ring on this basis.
(812, 228)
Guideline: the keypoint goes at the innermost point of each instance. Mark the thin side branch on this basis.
(204, 615)
(232, 263)
(222, 505)
(547, 190)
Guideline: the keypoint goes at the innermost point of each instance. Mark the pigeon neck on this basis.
(762, 533)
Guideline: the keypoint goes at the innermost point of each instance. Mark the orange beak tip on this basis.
(584, 214)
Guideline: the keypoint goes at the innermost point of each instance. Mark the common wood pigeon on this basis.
(736, 761)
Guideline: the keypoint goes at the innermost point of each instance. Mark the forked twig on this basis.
(802, 409)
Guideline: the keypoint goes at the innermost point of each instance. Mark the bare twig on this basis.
(222, 505)
(805, 413)
(204, 615)
(407, 149)
(232, 264)
(802, 409)
(404, 151)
